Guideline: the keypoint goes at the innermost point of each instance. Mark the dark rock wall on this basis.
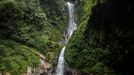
(105, 44)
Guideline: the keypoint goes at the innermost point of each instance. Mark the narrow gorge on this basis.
(66, 37)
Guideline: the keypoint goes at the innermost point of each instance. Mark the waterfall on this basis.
(70, 29)
(71, 23)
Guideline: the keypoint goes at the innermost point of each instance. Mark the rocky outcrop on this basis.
(44, 68)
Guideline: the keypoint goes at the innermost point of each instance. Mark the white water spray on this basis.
(70, 30)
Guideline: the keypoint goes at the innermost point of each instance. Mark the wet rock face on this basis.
(75, 72)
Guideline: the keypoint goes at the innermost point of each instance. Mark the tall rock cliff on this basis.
(103, 42)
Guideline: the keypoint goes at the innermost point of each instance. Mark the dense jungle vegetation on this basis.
(27, 26)
(101, 45)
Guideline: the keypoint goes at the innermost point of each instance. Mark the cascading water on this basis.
(70, 29)
(71, 24)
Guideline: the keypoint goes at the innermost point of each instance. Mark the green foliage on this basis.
(15, 58)
(29, 24)
(99, 69)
